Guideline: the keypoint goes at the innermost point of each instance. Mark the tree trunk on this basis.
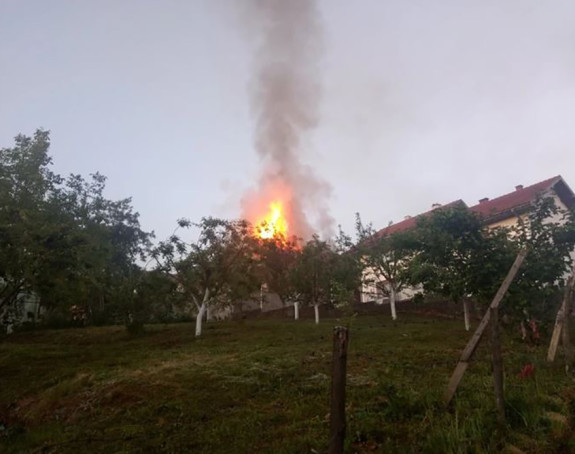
(466, 314)
(296, 311)
(199, 319)
(523, 330)
(392, 303)
(316, 311)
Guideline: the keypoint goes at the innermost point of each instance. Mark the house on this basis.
(370, 292)
(26, 309)
(506, 210)
(501, 212)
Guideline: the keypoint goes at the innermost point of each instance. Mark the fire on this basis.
(274, 223)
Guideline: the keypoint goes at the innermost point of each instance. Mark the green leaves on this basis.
(458, 256)
(388, 259)
(220, 262)
(62, 239)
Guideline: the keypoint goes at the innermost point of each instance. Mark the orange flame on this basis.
(274, 223)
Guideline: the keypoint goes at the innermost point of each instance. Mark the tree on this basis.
(216, 269)
(387, 260)
(460, 258)
(109, 242)
(278, 260)
(549, 235)
(62, 240)
(26, 184)
(457, 257)
(313, 274)
(347, 271)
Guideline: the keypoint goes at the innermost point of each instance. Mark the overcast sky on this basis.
(423, 101)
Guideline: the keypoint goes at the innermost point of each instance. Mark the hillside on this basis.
(263, 386)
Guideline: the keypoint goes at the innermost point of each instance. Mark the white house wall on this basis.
(371, 293)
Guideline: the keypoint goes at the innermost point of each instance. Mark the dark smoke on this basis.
(285, 97)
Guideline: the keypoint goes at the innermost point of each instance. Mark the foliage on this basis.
(458, 257)
(548, 234)
(313, 273)
(278, 260)
(388, 259)
(61, 238)
(347, 271)
(215, 270)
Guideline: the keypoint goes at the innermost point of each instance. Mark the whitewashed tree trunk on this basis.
(202, 308)
(296, 311)
(316, 311)
(466, 314)
(523, 331)
(199, 319)
(392, 303)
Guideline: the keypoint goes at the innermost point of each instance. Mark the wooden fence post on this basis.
(338, 378)
(469, 349)
(561, 321)
(497, 365)
(565, 338)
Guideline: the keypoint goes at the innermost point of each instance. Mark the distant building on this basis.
(506, 210)
(503, 211)
(370, 292)
(26, 308)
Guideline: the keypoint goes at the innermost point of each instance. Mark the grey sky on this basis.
(423, 101)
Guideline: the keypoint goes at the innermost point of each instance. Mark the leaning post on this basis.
(565, 335)
(562, 320)
(469, 349)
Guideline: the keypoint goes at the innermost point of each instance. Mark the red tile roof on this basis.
(410, 222)
(490, 209)
(517, 199)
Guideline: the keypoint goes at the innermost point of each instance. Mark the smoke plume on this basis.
(285, 97)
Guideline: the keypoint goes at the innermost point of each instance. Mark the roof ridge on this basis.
(526, 188)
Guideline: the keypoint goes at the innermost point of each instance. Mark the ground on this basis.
(263, 386)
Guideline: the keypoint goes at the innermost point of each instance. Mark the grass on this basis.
(263, 386)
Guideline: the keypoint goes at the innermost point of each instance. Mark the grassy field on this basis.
(263, 387)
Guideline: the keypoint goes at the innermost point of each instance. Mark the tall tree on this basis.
(62, 239)
(26, 186)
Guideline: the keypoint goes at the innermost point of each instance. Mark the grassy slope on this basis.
(263, 386)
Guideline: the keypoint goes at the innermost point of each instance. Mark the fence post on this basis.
(474, 341)
(338, 376)
(565, 335)
(497, 365)
(561, 321)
